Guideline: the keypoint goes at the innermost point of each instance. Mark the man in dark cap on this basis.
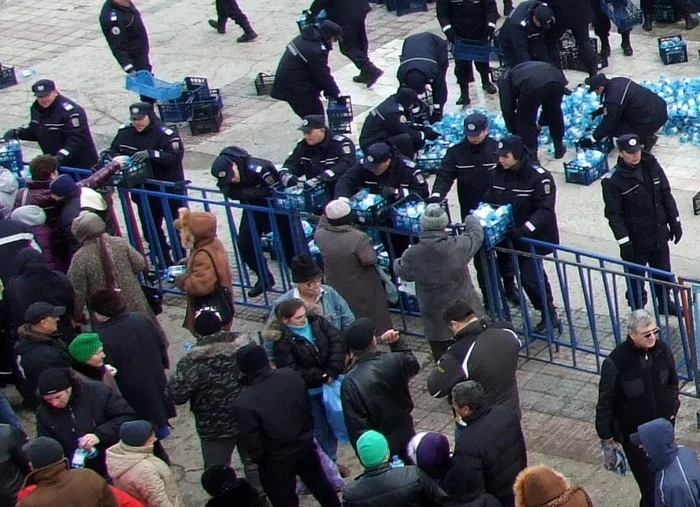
(424, 62)
(628, 108)
(226, 9)
(520, 181)
(250, 180)
(523, 90)
(375, 393)
(147, 139)
(392, 122)
(522, 35)
(303, 72)
(351, 16)
(276, 428)
(40, 347)
(643, 216)
(474, 20)
(60, 126)
(321, 153)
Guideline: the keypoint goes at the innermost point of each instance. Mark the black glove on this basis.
(490, 30)
(627, 252)
(327, 176)
(437, 199)
(450, 34)
(288, 179)
(390, 193)
(140, 156)
(515, 233)
(430, 134)
(12, 134)
(586, 143)
(676, 232)
(597, 112)
(436, 116)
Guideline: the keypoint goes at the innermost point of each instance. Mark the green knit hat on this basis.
(372, 448)
(84, 346)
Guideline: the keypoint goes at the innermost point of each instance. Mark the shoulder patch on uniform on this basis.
(339, 138)
(400, 107)
(347, 149)
(167, 130)
(116, 30)
(256, 168)
(409, 163)
(540, 170)
(403, 119)
(113, 15)
(67, 106)
(420, 178)
(547, 187)
(75, 121)
(523, 22)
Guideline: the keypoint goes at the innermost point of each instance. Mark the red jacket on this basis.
(124, 498)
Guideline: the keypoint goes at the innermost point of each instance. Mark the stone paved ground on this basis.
(63, 41)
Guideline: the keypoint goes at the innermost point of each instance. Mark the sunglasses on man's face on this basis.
(653, 332)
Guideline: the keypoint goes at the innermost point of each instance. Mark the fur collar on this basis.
(273, 329)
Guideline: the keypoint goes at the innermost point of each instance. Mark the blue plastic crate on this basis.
(673, 49)
(605, 145)
(623, 13)
(584, 175)
(495, 230)
(11, 155)
(310, 199)
(400, 220)
(409, 302)
(373, 215)
(7, 76)
(145, 83)
(305, 19)
(134, 174)
(664, 12)
(340, 114)
(474, 50)
(428, 161)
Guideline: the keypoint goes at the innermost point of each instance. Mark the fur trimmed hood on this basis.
(221, 343)
(197, 228)
(272, 330)
(541, 486)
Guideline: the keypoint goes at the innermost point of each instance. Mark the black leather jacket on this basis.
(406, 486)
(12, 468)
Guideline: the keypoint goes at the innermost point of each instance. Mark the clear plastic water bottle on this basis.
(81, 455)
(396, 462)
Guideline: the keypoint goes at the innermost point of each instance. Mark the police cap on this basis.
(545, 16)
(596, 82)
(511, 144)
(140, 110)
(629, 143)
(376, 155)
(475, 124)
(312, 121)
(43, 87)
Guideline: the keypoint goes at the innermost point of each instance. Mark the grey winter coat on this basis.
(351, 268)
(439, 266)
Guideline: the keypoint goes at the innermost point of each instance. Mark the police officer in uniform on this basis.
(60, 126)
(320, 153)
(530, 189)
(629, 108)
(522, 91)
(229, 9)
(643, 216)
(249, 180)
(127, 36)
(392, 122)
(472, 20)
(351, 16)
(424, 62)
(522, 35)
(575, 16)
(602, 26)
(147, 138)
(303, 72)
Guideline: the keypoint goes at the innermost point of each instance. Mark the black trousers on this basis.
(247, 239)
(464, 71)
(641, 470)
(505, 268)
(659, 258)
(682, 7)
(528, 277)
(306, 105)
(405, 144)
(278, 478)
(579, 29)
(549, 97)
(157, 215)
(601, 22)
(439, 88)
(226, 9)
(354, 43)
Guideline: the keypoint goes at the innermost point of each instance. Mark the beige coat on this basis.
(350, 264)
(138, 472)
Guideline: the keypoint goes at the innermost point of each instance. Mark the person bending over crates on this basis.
(424, 62)
(470, 20)
(575, 16)
(522, 35)
(303, 72)
(60, 126)
(392, 122)
(147, 139)
(250, 181)
(320, 153)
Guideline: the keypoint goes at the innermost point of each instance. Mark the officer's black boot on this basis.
(487, 85)
(650, 142)
(691, 21)
(258, 288)
(626, 43)
(373, 74)
(647, 23)
(248, 34)
(559, 150)
(361, 77)
(541, 326)
(219, 27)
(464, 99)
(604, 47)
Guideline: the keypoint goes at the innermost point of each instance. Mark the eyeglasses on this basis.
(653, 332)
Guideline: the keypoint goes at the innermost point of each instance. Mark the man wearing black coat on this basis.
(490, 442)
(628, 108)
(250, 180)
(13, 468)
(80, 413)
(303, 72)
(471, 20)
(60, 126)
(638, 383)
(276, 428)
(147, 139)
(350, 15)
(375, 392)
(523, 90)
(523, 35)
(530, 189)
(643, 216)
(424, 62)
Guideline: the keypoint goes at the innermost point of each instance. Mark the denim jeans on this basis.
(323, 433)
(7, 415)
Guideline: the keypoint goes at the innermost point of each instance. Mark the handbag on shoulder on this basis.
(219, 300)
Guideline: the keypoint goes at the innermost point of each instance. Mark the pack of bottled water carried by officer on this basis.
(495, 221)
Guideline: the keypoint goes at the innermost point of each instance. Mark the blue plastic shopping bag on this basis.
(334, 410)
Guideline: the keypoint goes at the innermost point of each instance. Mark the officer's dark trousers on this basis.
(659, 258)
(641, 470)
(278, 478)
(354, 43)
(226, 9)
(505, 268)
(643, 130)
(306, 105)
(579, 29)
(682, 7)
(549, 97)
(405, 145)
(531, 285)
(601, 23)
(464, 71)
(157, 206)
(248, 236)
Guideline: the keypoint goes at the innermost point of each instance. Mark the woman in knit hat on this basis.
(105, 262)
(540, 486)
(431, 453)
(88, 356)
(350, 263)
